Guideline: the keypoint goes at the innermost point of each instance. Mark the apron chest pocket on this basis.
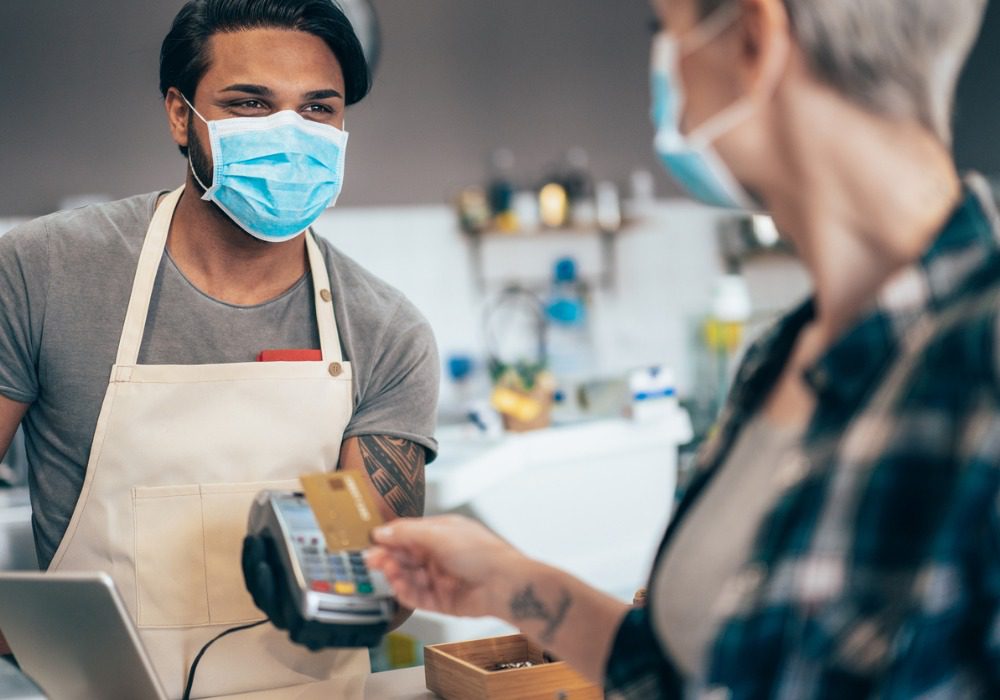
(188, 542)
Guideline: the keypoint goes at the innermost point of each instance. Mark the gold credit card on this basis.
(344, 508)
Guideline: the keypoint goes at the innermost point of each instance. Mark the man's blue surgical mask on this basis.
(273, 176)
(691, 158)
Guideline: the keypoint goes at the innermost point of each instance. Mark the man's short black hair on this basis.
(184, 55)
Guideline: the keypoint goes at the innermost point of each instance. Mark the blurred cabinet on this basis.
(17, 545)
(14, 466)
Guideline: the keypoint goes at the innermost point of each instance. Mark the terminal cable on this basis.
(197, 659)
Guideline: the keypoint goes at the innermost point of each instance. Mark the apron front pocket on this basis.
(169, 556)
(225, 508)
(189, 542)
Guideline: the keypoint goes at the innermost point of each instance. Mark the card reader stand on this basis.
(324, 599)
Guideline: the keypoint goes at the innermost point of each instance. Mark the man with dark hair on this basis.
(135, 340)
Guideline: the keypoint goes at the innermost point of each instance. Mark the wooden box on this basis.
(461, 671)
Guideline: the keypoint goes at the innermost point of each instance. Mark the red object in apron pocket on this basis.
(290, 356)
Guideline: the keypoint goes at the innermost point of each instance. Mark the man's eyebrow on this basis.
(264, 91)
(322, 94)
(261, 90)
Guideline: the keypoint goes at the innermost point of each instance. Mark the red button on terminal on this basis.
(321, 586)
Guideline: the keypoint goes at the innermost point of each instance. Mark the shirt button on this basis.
(325, 295)
(336, 369)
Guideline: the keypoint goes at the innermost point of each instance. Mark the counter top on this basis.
(470, 464)
(405, 684)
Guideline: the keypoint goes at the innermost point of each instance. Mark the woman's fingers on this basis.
(420, 578)
(434, 563)
(410, 583)
(405, 532)
(418, 586)
(377, 557)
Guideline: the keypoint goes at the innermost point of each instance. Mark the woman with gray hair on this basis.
(841, 537)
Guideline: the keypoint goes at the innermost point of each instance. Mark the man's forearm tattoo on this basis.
(526, 606)
(396, 468)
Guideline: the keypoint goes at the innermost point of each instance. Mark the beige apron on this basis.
(178, 455)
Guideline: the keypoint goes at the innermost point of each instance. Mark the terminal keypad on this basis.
(342, 573)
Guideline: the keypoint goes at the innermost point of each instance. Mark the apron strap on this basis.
(145, 277)
(329, 337)
(149, 264)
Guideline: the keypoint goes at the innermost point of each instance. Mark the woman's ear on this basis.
(765, 40)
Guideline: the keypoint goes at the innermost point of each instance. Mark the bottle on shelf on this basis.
(465, 399)
(725, 326)
(570, 346)
(579, 187)
(501, 191)
(553, 205)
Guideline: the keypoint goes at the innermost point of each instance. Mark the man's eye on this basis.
(248, 105)
(318, 109)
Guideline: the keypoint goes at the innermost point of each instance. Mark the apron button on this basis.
(336, 369)
(325, 295)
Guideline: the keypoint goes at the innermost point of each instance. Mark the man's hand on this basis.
(394, 467)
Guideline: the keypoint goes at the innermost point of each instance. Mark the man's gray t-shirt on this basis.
(65, 282)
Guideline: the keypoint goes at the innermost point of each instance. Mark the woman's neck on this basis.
(861, 201)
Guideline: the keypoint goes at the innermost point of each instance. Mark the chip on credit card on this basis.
(344, 508)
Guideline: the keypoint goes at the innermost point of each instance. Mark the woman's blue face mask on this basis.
(691, 158)
(274, 176)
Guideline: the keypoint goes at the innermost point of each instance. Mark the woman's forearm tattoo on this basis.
(527, 606)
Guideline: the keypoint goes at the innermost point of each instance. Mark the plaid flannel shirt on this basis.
(877, 573)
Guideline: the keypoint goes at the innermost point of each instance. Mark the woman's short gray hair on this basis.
(899, 58)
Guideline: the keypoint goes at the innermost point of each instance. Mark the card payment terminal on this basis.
(325, 599)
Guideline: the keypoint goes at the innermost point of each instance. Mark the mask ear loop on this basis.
(709, 28)
(191, 107)
(190, 162)
(741, 110)
(195, 174)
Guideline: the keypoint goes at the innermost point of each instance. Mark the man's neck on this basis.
(868, 200)
(224, 261)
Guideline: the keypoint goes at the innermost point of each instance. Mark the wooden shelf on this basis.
(607, 239)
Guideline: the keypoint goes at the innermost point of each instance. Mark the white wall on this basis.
(667, 265)
(666, 269)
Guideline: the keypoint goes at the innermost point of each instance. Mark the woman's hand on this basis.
(447, 564)
(454, 565)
